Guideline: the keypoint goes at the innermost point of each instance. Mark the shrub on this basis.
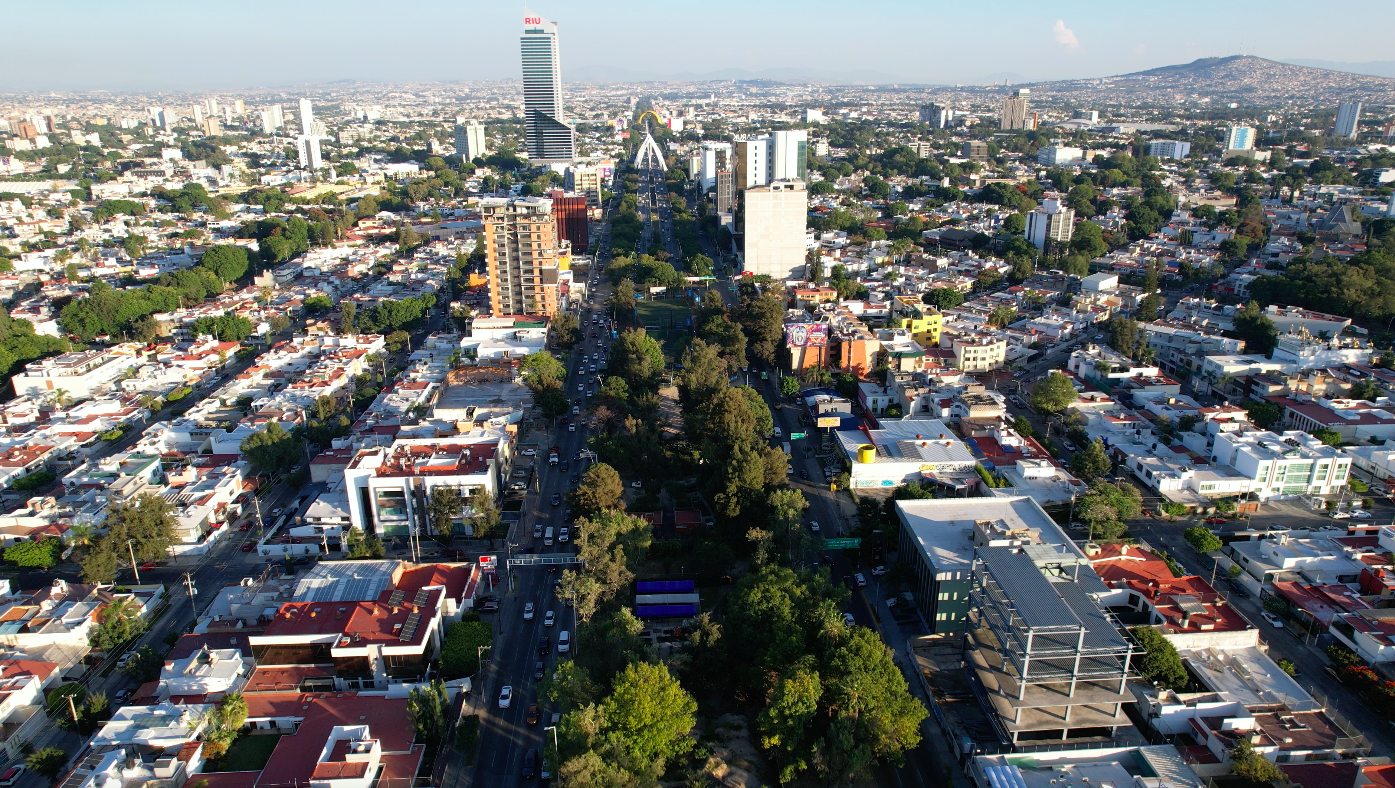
(1201, 539)
(34, 481)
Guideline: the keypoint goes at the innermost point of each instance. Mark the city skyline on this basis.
(133, 51)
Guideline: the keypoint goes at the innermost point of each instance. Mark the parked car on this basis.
(860, 580)
(247, 546)
(549, 618)
(1272, 619)
(1215, 520)
(878, 571)
(122, 695)
(12, 774)
(534, 712)
(245, 526)
(564, 642)
(1361, 514)
(537, 532)
(530, 764)
(506, 696)
(528, 611)
(1341, 515)
(529, 452)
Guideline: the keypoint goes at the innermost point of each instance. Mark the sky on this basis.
(151, 45)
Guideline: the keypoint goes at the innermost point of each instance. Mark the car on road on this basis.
(529, 452)
(575, 478)
(1272, 619)
(528, 611)
(537, 531)
(860, 580)
(571, 428)
(12, 774)
(544, 646)
(122, 695)
(636, 483)
(125, 659)
(814, 526)
(506, 696)
(1237, 588)
(539, 670)
(549, 618)
(565, 466)
(534, 712)
(564, 642)
(530, 763)
(518, 486)
(878, 571)
(564, 534)
(275, 511)
(1341, 515)
(556, 499)
(576, 409)
(245, 526)
(581, 387)
(848, 619)
(1361, 514)
(1216, 520)
(803, 474)
(247, 546)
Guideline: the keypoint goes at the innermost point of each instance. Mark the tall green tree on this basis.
(1053, 393)
(600, 489)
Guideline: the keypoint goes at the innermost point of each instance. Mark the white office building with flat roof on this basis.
(774, 232)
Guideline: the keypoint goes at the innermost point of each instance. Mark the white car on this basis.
(847, 619)
(528, 612)
(571, 428)
(581, 387)
(1272, 619)
(1361, 514)
(564, 642)
(529, 452)
(506, 696)
(814, 526)
(878, 571)
(860, 580)
(564, 534)
(576, 409)
(636, 483)
(1341, 515)
(549, 618)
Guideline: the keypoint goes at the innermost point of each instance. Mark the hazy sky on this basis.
(162, 44)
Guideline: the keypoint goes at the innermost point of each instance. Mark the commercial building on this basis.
(307, 117)
(775, 220)
(919, 450)
(1050, 222)
(548, 135)
(521, 252)
(713, 157)
(1294, 463)
(1053, 155)
(586, 181)
(75, 376)
(1014, 111)
(1091, 116)
(1169, 149)
(937, 116)
(975, 150)
(469, 140)
(573, 219)
(781, 156)
(1348, 119)
(307, 148)
(1239, 138)
(812, 116)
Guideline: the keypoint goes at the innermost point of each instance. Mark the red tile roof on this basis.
(1331, 774)
(296, 757)
(1122, 566)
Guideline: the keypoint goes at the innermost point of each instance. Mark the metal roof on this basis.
(1032, 595)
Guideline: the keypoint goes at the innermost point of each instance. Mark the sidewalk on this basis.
(934, 739)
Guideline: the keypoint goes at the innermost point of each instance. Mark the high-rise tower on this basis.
(550, 138)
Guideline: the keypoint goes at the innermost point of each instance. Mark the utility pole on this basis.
(73, 708)
(189, 583)
(134, 568)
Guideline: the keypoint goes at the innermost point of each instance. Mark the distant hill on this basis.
(1375, 68)
(1243, 79)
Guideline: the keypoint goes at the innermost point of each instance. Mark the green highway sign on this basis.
(794, 436)
(842, 544)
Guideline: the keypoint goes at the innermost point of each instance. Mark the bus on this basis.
(547, 537)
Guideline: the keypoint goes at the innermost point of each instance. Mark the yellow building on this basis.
(921, 320)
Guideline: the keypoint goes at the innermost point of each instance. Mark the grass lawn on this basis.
(665, 313)
(247, 754)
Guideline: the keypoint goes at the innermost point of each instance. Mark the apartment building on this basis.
(389, 487)
(521, 250)
(77, 375)
(774, 230)
(975, 352)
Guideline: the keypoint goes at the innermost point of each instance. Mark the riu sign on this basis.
(532, 20)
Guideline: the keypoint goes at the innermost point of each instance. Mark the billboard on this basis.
(806, 334)
(830, 421)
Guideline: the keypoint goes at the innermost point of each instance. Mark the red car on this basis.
(245, 526)
(147, 566)
(247, 547)
(1215, 520)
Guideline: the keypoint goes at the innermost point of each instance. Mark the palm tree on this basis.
(148, 402)
(81, 535)
(62, 397)
(123, 609)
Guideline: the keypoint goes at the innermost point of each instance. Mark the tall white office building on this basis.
(307, 117)
(1239, 138)
(549, 137)
(774, 230)
(278, 116)
(211, 106)
(713, 157)
(1348, 119)
(937, 116)
(469, 139)
(789, 155)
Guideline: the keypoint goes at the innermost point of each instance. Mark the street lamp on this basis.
(552, 728)
(479, 657)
